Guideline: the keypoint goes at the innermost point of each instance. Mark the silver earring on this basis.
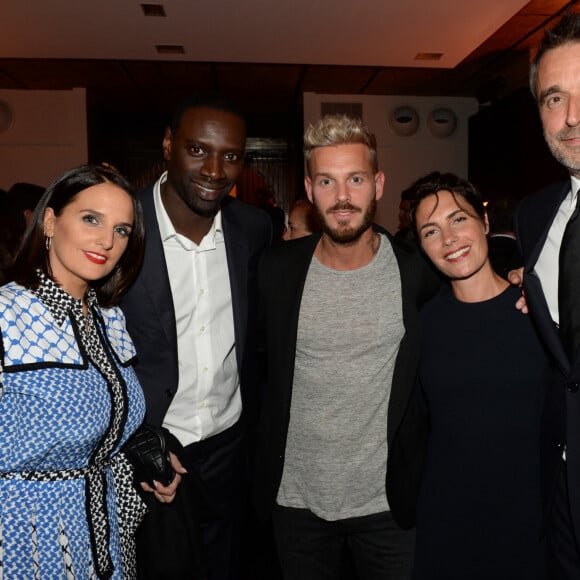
(47, 242)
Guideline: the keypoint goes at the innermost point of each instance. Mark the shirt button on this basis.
(203, 328)
(573, 387)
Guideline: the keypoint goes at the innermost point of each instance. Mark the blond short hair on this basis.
(339, 130)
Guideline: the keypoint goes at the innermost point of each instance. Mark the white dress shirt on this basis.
(547, 266)
(208, 398)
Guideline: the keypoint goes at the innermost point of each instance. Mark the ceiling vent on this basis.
(153, 10)
(170, 48)
(352, 110)
(428, 56)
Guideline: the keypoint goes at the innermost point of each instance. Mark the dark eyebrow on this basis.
(101, 214)
(450, 216)
(208, 145)
(193, 143)
(550, 91)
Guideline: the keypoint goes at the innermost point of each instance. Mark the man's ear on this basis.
(308, 188)
(379, 184)
(167, 144)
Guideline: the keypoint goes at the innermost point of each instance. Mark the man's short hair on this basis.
(566, 30)
(212, 101)
(339, 130)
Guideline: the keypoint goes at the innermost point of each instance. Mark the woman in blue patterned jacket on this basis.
(69, 397)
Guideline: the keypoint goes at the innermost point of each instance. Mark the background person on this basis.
(504, 254)
(404, 229)
(302, 220)
(25, 196)
(12, 226)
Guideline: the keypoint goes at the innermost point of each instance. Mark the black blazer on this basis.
(148, 305)
(561, 425)
(281, 279)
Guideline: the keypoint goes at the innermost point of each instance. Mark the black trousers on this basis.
(311, 548)
(198, 535)
(219, 462)
(563, 552)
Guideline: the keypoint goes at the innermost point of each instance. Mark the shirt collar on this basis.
(60, 303)
(167, 230)
(574, 192)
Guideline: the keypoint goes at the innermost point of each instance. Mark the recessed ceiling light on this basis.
(153, 10)
(170, 49)
(428, 56)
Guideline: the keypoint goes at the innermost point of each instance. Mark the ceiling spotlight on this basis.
(428, 56)
(153, 10)
(170, 48)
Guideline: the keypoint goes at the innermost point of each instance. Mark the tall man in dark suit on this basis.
(190, 310)
(341, 324)
(540, 224)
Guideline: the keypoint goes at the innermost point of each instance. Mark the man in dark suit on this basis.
(541, 221)
(341, 324)
(189, 313)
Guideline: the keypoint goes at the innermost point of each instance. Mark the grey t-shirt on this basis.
(349, 331)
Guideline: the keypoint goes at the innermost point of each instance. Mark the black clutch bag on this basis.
(147, 451)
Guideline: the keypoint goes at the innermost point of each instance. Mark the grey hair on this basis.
(567, 30)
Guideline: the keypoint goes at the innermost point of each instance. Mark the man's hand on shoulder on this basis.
(516, 277)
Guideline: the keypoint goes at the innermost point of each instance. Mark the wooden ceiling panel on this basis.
(64, 74)
(160, 75)
(336, 79)
(272, 91)
(266, 77)
(419, 81)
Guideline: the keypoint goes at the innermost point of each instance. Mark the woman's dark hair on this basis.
(33, 254)
(457, 187)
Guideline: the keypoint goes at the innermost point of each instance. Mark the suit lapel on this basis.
(539, 223)
(237, 254)
(284, 308)
(154, 275)
(536, 232)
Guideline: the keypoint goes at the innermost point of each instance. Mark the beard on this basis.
(569, 159)
(343, 234)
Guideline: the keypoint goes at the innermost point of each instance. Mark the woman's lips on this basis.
(96, 258)
(457, 254)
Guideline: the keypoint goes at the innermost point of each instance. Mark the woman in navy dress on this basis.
(481, 385)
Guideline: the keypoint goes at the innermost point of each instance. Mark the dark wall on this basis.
(507, 151)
